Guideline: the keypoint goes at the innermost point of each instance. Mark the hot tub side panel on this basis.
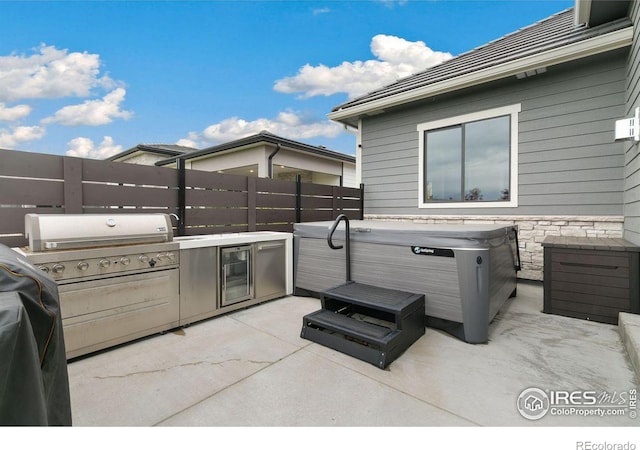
(316, 267)
(473, 279)
(397, 267)
(502, 278)
(487, 279)
(390, 266)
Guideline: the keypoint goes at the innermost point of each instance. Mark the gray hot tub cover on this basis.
(401, 233)
(34, 383)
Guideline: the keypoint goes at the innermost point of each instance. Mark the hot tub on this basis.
(466, 272)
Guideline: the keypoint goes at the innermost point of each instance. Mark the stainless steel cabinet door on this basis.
(270, 269)
(198, 283)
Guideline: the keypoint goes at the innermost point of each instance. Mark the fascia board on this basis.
(600, 44)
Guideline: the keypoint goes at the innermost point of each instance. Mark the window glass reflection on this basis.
(443, 162)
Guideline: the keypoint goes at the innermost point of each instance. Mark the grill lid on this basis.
(48, 232)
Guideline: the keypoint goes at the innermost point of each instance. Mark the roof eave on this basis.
(571, 52)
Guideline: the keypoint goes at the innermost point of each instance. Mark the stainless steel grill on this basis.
(47, 232)
(117, 274)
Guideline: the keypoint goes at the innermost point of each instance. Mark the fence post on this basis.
(72, 172)
(251, 203)
(335, 201)
(182, 196)
(298, 198)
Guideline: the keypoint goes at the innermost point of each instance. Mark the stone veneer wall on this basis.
(531, 231)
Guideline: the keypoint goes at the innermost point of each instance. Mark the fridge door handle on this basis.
(270, 246)
(224, 280)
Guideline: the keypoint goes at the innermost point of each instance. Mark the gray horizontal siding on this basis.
(593, 176)
(576, 187)
(568, 161)
(632, 152)
(531, 154)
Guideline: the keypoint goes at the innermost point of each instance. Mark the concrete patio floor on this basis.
(251, 368)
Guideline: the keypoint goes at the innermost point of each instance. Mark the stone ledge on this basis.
(629, 328)
(503, 218)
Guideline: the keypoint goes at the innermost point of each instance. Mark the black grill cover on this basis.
(34, 384)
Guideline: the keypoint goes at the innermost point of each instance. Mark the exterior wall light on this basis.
(628, 129)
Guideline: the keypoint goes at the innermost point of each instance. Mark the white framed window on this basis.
(470, 161)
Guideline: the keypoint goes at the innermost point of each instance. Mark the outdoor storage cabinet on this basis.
(590, 278)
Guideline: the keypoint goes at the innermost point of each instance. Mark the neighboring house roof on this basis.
(159, 149)
(262, 137)
(548, 42)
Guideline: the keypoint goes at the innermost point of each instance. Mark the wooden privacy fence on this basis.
(205, 202)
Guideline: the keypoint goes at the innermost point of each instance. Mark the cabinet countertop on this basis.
(219, 240)
(588, 243)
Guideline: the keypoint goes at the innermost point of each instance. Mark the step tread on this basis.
(347, 325)
(373, 296)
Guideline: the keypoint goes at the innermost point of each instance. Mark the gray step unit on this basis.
(466, 272)
(370, 323)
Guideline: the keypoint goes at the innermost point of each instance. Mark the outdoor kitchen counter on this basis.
(219, 240)
(250, 237)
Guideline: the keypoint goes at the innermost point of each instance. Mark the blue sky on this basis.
(92, 78)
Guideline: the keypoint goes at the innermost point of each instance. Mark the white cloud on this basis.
(13, 113)
(289, 124)
(12, 137)
(50, 73)
(396, 58)
(83, 147)
(319, 11)
(93, 112)
(191, 141)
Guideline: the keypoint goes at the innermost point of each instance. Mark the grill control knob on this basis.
(82, 266)
(125, 261)
(160, 256)
(57, 269)
(171, 257)
(45, 269)
(143, 259)
(104, 263)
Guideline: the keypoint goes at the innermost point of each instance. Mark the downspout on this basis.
(270, 160)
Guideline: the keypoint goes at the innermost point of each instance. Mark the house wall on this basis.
(632, 150)
(232, 160)
(326, 171)
(349, 178)
(143, 158)
(570, 170)
(323, 178)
